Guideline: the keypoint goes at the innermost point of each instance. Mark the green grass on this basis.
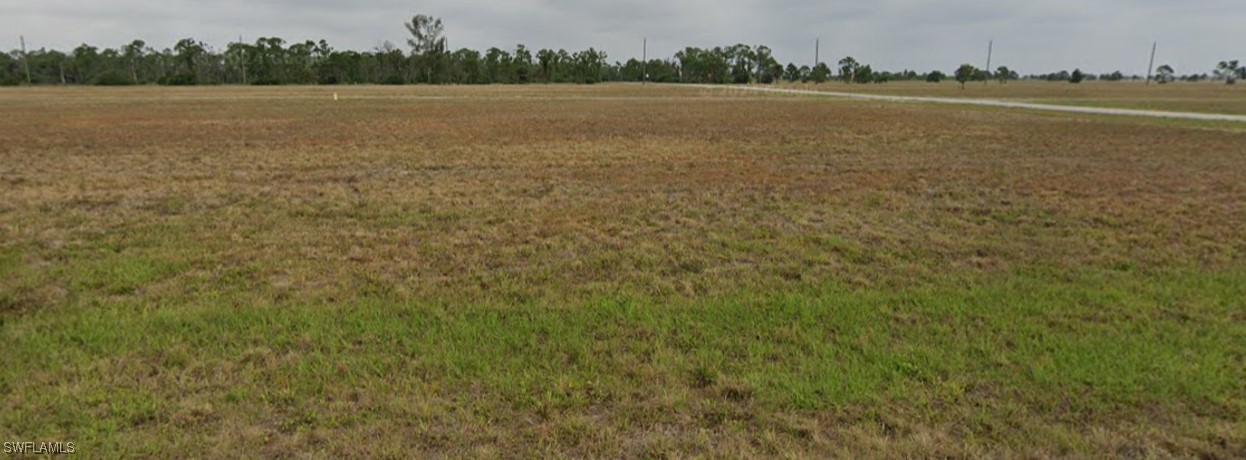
(992, 359)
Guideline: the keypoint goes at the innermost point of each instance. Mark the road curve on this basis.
(996, 103)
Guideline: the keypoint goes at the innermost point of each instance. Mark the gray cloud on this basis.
(1030, 36)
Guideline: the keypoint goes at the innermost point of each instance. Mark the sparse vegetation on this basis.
(616, 271)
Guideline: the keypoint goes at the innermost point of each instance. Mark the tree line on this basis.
(274, 61)
(428, 59)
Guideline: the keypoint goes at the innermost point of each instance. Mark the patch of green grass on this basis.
(995, 358)
(122, 273)
(10, 262)
(19, 283)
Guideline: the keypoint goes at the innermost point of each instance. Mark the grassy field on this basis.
(1205, 97)
(614, 271)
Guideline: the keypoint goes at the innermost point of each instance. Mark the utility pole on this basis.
(990, 49)
(644, 62)
(1151, 67)
(817, 45)
(25, 58)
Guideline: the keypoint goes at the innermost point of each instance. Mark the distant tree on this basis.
(300, 67)
(935, 77)
(820, 73)
(426, 34)
(393, 67)
(1003, 74)
(497, 65)
(1230, 71)
(190, 53)
(698, 65)
(774, 73)
(1077, 76)
(522, 63)
(805, 74)
(965, 73)
(134, 53)
(564, 67)
(865, 74)
(112, 77)
(741, 59)
(588, 65)
(84, 64)
(269, 64)
(791, 73)
(9, 69)
(1165, 74)
(848, 69)
(427, 42)
(547, 61)
(52, 65)
(766, 67)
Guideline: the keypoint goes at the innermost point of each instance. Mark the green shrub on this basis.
(112, 78)
(182, 79)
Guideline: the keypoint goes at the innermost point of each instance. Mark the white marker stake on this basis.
(335, 96)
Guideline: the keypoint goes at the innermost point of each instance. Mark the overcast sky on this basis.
(1035, 36)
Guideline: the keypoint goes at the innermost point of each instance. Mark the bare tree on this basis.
(426, 35)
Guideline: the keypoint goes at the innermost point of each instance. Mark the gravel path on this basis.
(998, 103)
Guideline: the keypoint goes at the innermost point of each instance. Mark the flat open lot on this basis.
(613, 271)
(1204, 97)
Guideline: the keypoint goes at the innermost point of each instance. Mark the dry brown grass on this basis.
(145, 204)
(567, 196)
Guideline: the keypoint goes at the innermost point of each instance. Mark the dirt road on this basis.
(997, 103)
